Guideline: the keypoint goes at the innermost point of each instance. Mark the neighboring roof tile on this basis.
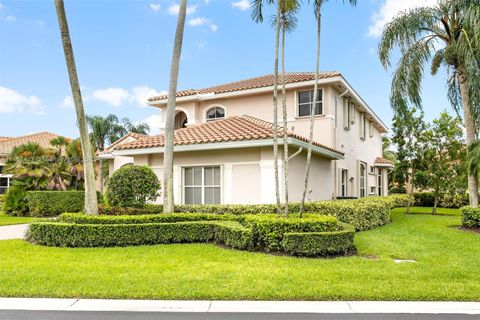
(252, 83)
(42, 138)
(380, 160)
(129, 137)
(2, 139)
(236, 128)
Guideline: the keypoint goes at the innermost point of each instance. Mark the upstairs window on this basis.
(215, 113)
(305, 103)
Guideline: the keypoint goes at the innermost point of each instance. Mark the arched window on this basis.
(215, 113)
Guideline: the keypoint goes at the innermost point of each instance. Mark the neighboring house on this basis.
(8, 143)
(223, 142)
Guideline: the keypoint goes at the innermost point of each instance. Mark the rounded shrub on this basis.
(132, 186)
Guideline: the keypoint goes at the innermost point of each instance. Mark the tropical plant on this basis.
(473, 159)
(317, 9)
(170, 113)
(447, 34)
(91, 206)
(60, 143)
(387, 152)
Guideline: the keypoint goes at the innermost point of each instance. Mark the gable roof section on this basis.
(232, 129)
(2, 139)
(42, 138)
(252, 83)
(129, 137)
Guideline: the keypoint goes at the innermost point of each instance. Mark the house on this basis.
(7, 144)
(223, 142)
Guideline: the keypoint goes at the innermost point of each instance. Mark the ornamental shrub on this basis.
(470, 217)
(14, 202)
(132, 186)
(452, 200)
(53, 203)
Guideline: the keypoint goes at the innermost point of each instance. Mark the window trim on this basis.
(221, 185)
(210, 107)
(379, 181)
(365, 180)
(344, 183)
(297, 104)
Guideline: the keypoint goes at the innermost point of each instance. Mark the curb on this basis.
(311, 307)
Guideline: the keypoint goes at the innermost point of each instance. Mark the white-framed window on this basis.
(215, 113)
(371, 169)
(380, 181)
(371, 128)
(344, 183)
(4, 184)
(201, 185)
(305, 103)
(363, 126)
(346, 114)
(363, 179)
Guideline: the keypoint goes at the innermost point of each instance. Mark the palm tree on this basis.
(448, 35)
(387, 153)
(60, 143)
(473, 159)
(257, 16)
(317, 9)
(168, 204)
(75, 165)
(91, 206)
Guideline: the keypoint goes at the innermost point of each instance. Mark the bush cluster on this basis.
(248, 232)
(470, 217)
(427, 199)
(363, 214)
(54, 203)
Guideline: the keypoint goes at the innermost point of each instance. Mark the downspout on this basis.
(335, 167)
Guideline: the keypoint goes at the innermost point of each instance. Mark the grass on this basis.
(440, 211)
(6, 220)
(447, 269)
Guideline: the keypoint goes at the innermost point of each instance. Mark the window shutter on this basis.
(357, 182)
(371, 129)
(346, 122)
(339, 182)
(352, 113)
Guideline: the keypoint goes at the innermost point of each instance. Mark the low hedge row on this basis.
(363, 214)
(80, 218)
(470, 217)
(53, 203)
(454, 200)
(320, 243)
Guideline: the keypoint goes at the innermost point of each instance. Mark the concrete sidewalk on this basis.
(16, 231)
(323, 307)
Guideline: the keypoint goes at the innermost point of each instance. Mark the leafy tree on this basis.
(168, 204)
(91, 206)
(445, 151)
(410, 140)
(447, 35)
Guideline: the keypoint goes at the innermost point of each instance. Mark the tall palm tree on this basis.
(473, 159)
(387, 153)
(168, 202)
(60, 143)
(448, 35)
(257, 16)
(91, 204)
(317, 9)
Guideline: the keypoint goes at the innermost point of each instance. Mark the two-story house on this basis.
(223, 142)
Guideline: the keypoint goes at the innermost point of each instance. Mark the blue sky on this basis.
(123, 52)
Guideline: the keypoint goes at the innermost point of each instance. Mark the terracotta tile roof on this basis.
(380, 160)
(129, 137)
(42, 138)
(236, 128)
(2, 139)
(252, 83)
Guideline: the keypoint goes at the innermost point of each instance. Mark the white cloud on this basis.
(68, 102)
(13, 101)
(113, 96)
(1, 6)
(155, 122)
(201, 21)
(173, 9)
(155, 6)
(140, 94)
(388, 10)
(206, 2)
(10, 19)
(241, 4)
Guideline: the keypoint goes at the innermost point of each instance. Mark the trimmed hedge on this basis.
(320, 243)
(427, 199)
(80, 218)
(53, 203)
(470, 217)
(363, 214)
(268, 230)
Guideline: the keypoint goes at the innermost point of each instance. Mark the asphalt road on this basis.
(87, 315)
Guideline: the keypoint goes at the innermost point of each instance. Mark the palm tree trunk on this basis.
(471, 132)
(285, 124)
(275, 110)
(312, 116)
(168, 204)
(91, 204)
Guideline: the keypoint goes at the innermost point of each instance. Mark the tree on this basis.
(387, 153)
(473, 159)
(168, 204)
(60, 143)
(317, 9)
(447, 35)
(91, 206)
(410, 139)
(444, 153)
(257, 16)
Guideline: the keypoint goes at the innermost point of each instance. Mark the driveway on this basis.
(16, 231)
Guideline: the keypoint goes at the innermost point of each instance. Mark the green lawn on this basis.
(447, 269)
(440, 211)
(6, 220)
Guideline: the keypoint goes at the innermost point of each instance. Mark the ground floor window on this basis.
(344, 183)
(4, 182)
(201, 185)
(380, 181)
(363, 180)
